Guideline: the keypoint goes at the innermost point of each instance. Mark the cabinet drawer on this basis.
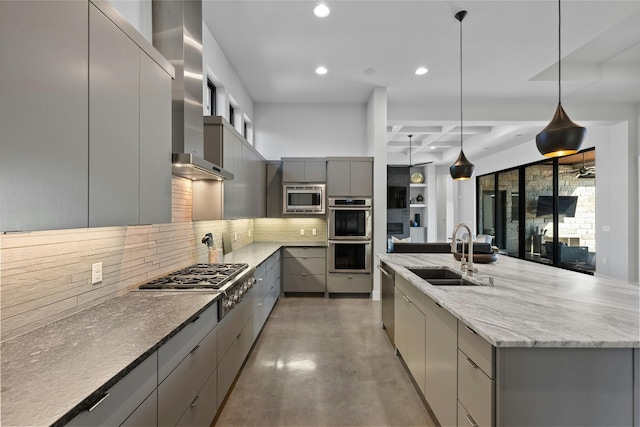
(261, 270)
(304, 252)
(480, 351)
(178, 390)
(231, 324)
(174, 350)
(349, 283)
(308, 283)
(204, 406)
(123, 398)
(304, 266)
(475, 391)
(230, 364)
(259, 290)
(273, 260)
(146, 414)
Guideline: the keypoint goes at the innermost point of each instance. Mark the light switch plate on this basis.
(96, 273)
(302, 231)
(314, 232)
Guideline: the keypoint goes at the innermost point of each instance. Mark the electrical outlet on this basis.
(604, 260)
(235, 236)
(249, 232)
(96, 273)
(606, 228)
(302, 231)
(314, 232)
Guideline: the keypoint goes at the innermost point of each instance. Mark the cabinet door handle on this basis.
(195, 349)
(195, 320)
(470, 420)
(471, 330)
(238, 336)
(472, 363)
(406, 299)
(303, 275)
(95, 405)
(260, 305)
(194, 402)
(438, 304)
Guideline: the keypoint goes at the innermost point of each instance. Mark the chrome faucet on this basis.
(464, 264)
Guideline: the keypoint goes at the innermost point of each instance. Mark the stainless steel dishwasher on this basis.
(387, 284)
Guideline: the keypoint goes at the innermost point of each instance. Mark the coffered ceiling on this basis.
(510, 57)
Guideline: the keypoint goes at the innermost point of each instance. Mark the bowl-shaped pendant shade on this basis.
(462, 169)
(561, 137)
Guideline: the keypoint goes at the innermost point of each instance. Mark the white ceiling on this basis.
(510, 56)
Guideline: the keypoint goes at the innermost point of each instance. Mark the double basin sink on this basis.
(441, 276)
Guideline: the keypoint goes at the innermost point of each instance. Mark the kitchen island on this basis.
(542, 346)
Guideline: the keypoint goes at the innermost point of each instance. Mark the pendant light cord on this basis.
(559, 55)
(461, 83)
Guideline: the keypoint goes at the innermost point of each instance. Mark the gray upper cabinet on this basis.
(95, 150)
(114, 153)
(155, 143)
(302, 170)
(274, 189)
(43, 115)
(350, 178)
(245, 195)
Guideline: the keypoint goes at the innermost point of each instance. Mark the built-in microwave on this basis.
(303, 199)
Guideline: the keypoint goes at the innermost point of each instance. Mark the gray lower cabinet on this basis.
(350, 178)
(121, 400)
(440, 358)
(146, 414)
(304, 270)
(203, 407)
(343, 283)
(179, 391)
(410, 331)
(235, 338)
(43, 115)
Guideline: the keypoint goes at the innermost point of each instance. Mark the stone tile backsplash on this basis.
(46, 275)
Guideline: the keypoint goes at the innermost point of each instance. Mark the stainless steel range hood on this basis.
(195, 168)
(177, 34)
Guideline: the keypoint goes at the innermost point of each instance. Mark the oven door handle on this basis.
(350, 242)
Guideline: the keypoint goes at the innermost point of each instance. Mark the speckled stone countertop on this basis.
(533, 305)
(54, 372)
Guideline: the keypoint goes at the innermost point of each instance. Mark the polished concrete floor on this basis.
(324, 362)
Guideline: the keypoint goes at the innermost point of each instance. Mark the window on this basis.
(211, 98)
(244, 130)
(543, 212)
(232, 115)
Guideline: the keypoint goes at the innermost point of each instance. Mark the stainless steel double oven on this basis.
(350, 233)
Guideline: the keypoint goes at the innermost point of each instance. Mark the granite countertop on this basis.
(533, 305)
(54, 372)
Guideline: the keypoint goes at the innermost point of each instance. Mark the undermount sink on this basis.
(442, 277)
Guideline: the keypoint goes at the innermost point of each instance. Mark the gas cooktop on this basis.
(197, 276)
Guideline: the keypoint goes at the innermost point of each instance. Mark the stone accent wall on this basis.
(46, 275)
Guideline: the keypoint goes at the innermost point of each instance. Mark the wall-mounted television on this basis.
(566, 205)
(396, 197)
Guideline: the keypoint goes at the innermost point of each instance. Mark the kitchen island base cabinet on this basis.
(410, 332)
(567, 386)
(441, 367)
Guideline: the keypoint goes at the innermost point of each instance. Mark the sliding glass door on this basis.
(543, 212)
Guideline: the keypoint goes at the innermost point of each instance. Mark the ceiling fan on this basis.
(583, 172)
(411, 164)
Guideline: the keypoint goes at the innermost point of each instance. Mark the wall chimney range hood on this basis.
(195, 168)
(177, 34)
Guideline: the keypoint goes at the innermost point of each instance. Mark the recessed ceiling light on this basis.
(433, 148)
(421, 71)
(321, 70)
(321, 10)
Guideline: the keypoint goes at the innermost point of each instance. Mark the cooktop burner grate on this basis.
(197, 276)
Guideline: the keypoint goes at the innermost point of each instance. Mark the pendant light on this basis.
(561, 137)
(462, 169)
